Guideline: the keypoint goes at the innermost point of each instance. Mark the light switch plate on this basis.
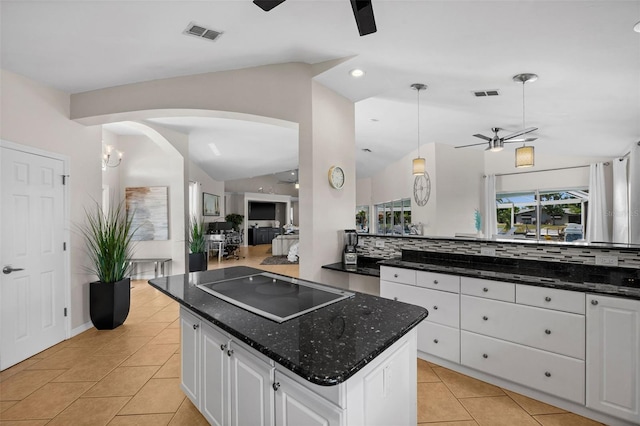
(487, 251)
(380, 243)
(603, 260)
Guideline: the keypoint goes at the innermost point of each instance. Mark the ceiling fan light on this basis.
(419, 166)
(496, 148)
(525, 156)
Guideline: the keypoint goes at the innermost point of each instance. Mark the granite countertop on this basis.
(624, 282)
(366, 266)
(326, 346)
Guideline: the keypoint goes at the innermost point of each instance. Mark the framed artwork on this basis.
(210, 204)
(148, 208)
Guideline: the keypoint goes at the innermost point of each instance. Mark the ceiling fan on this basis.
(362, 11)
(496, 143)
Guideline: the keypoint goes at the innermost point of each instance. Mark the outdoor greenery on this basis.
(236, 219)
(108, 242)
(197, 242)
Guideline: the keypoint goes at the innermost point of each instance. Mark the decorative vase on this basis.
(109, 303)
(198, 262)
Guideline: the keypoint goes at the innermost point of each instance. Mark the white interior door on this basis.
(32, 282)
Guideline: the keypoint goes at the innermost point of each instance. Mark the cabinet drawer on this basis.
(497, 290)
(437, 281)
(439, 340)
(398, 275)
(443, 307)
(554, 331)
(551, 298)
(555, 374)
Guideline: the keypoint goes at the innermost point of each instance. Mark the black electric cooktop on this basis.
(273, 296)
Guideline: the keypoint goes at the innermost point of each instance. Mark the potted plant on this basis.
(109, 247)
(197, 246)
(236, 219)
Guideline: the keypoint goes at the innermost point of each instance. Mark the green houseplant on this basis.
(109, 247)
(197, 246)
(236, 219)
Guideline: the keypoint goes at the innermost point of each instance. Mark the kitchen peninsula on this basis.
(349, 362)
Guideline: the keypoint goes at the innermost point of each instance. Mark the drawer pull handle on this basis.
(435, 341)
(195, 326)
(276, 386)
(230, 352)
(485, 356)
(395, 298)
(485, 289)
(435, 281)
(485, 318)
(547, 299)
(594, 302)
(395, 275)
(546, 373)
(547, 331)
(223, 347)
(435, 308)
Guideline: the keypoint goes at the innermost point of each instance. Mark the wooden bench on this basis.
(157, 261)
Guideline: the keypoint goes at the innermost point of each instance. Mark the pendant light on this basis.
(525, 154)
(419, 163)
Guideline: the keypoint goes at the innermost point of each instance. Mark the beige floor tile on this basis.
(170, 369)
(464, 386)
(64, 358)
(47, 402)
(142, 420)
(166, 336)
(151, 355)
(25, 383)
(50, 351)
(462, 423)
(425, 373)
(91, 369)
(188, 415)
(175, 324)
(125, 345)
(23, 422)
(123, 381)
(5, 405)
(90, 412)
(95, 340)
(532, 406)
(437, 404)
(567, 419)
(156, 396)
(497, 411)
(12, 371)
(150, 329)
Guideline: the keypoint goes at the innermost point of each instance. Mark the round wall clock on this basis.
(336, 177)
(422, 189)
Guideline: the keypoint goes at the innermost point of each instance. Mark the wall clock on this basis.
(336, 177)
(422, 189)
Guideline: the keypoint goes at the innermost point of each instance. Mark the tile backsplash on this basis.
(586, 255)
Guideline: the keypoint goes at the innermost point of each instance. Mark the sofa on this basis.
(281, 244)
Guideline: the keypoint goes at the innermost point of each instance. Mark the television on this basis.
(262, 211)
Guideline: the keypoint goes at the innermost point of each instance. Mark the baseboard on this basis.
(84, 327)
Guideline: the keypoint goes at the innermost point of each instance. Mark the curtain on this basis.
(597, 227)
(490, 227)
(634, 194)
(620, 202)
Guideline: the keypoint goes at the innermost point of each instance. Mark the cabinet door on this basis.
(215, 377)
(252, 399)
(296, 405)
(613, 356)
(190, 356)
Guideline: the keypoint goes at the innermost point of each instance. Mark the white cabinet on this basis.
(215, 403)
(190, 355)
(613, 356)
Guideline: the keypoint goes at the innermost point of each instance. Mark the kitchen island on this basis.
(350, 362)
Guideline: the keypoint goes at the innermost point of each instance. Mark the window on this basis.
(394, 217)
(558, 215)
(193, 200)
(362, 219)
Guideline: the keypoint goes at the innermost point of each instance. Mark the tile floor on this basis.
(130, 376)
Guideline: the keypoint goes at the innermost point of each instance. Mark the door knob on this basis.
(9, 269)
(276, 386)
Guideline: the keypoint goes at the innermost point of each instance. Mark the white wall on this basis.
(38, 116)
(269, 184)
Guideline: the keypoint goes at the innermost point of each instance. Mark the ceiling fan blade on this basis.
(473, 144)
(363, 12)
(519, 133)
(520, 140)
(486, 138)
(267, 5)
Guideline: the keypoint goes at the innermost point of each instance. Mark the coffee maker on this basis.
(349, 254)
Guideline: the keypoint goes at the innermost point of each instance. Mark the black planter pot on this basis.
(197, 262)
(109, 303)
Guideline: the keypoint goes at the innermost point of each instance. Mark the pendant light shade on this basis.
(419, 163)
(524, 156)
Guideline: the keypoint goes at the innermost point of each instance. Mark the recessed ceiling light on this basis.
(215, 149)
(356, 73)
(636, 27)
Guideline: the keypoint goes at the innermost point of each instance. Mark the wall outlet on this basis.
(380, 243)
(487, 251)
(606, 260)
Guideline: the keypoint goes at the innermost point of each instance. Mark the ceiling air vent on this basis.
(199, 31)
(480, 93)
